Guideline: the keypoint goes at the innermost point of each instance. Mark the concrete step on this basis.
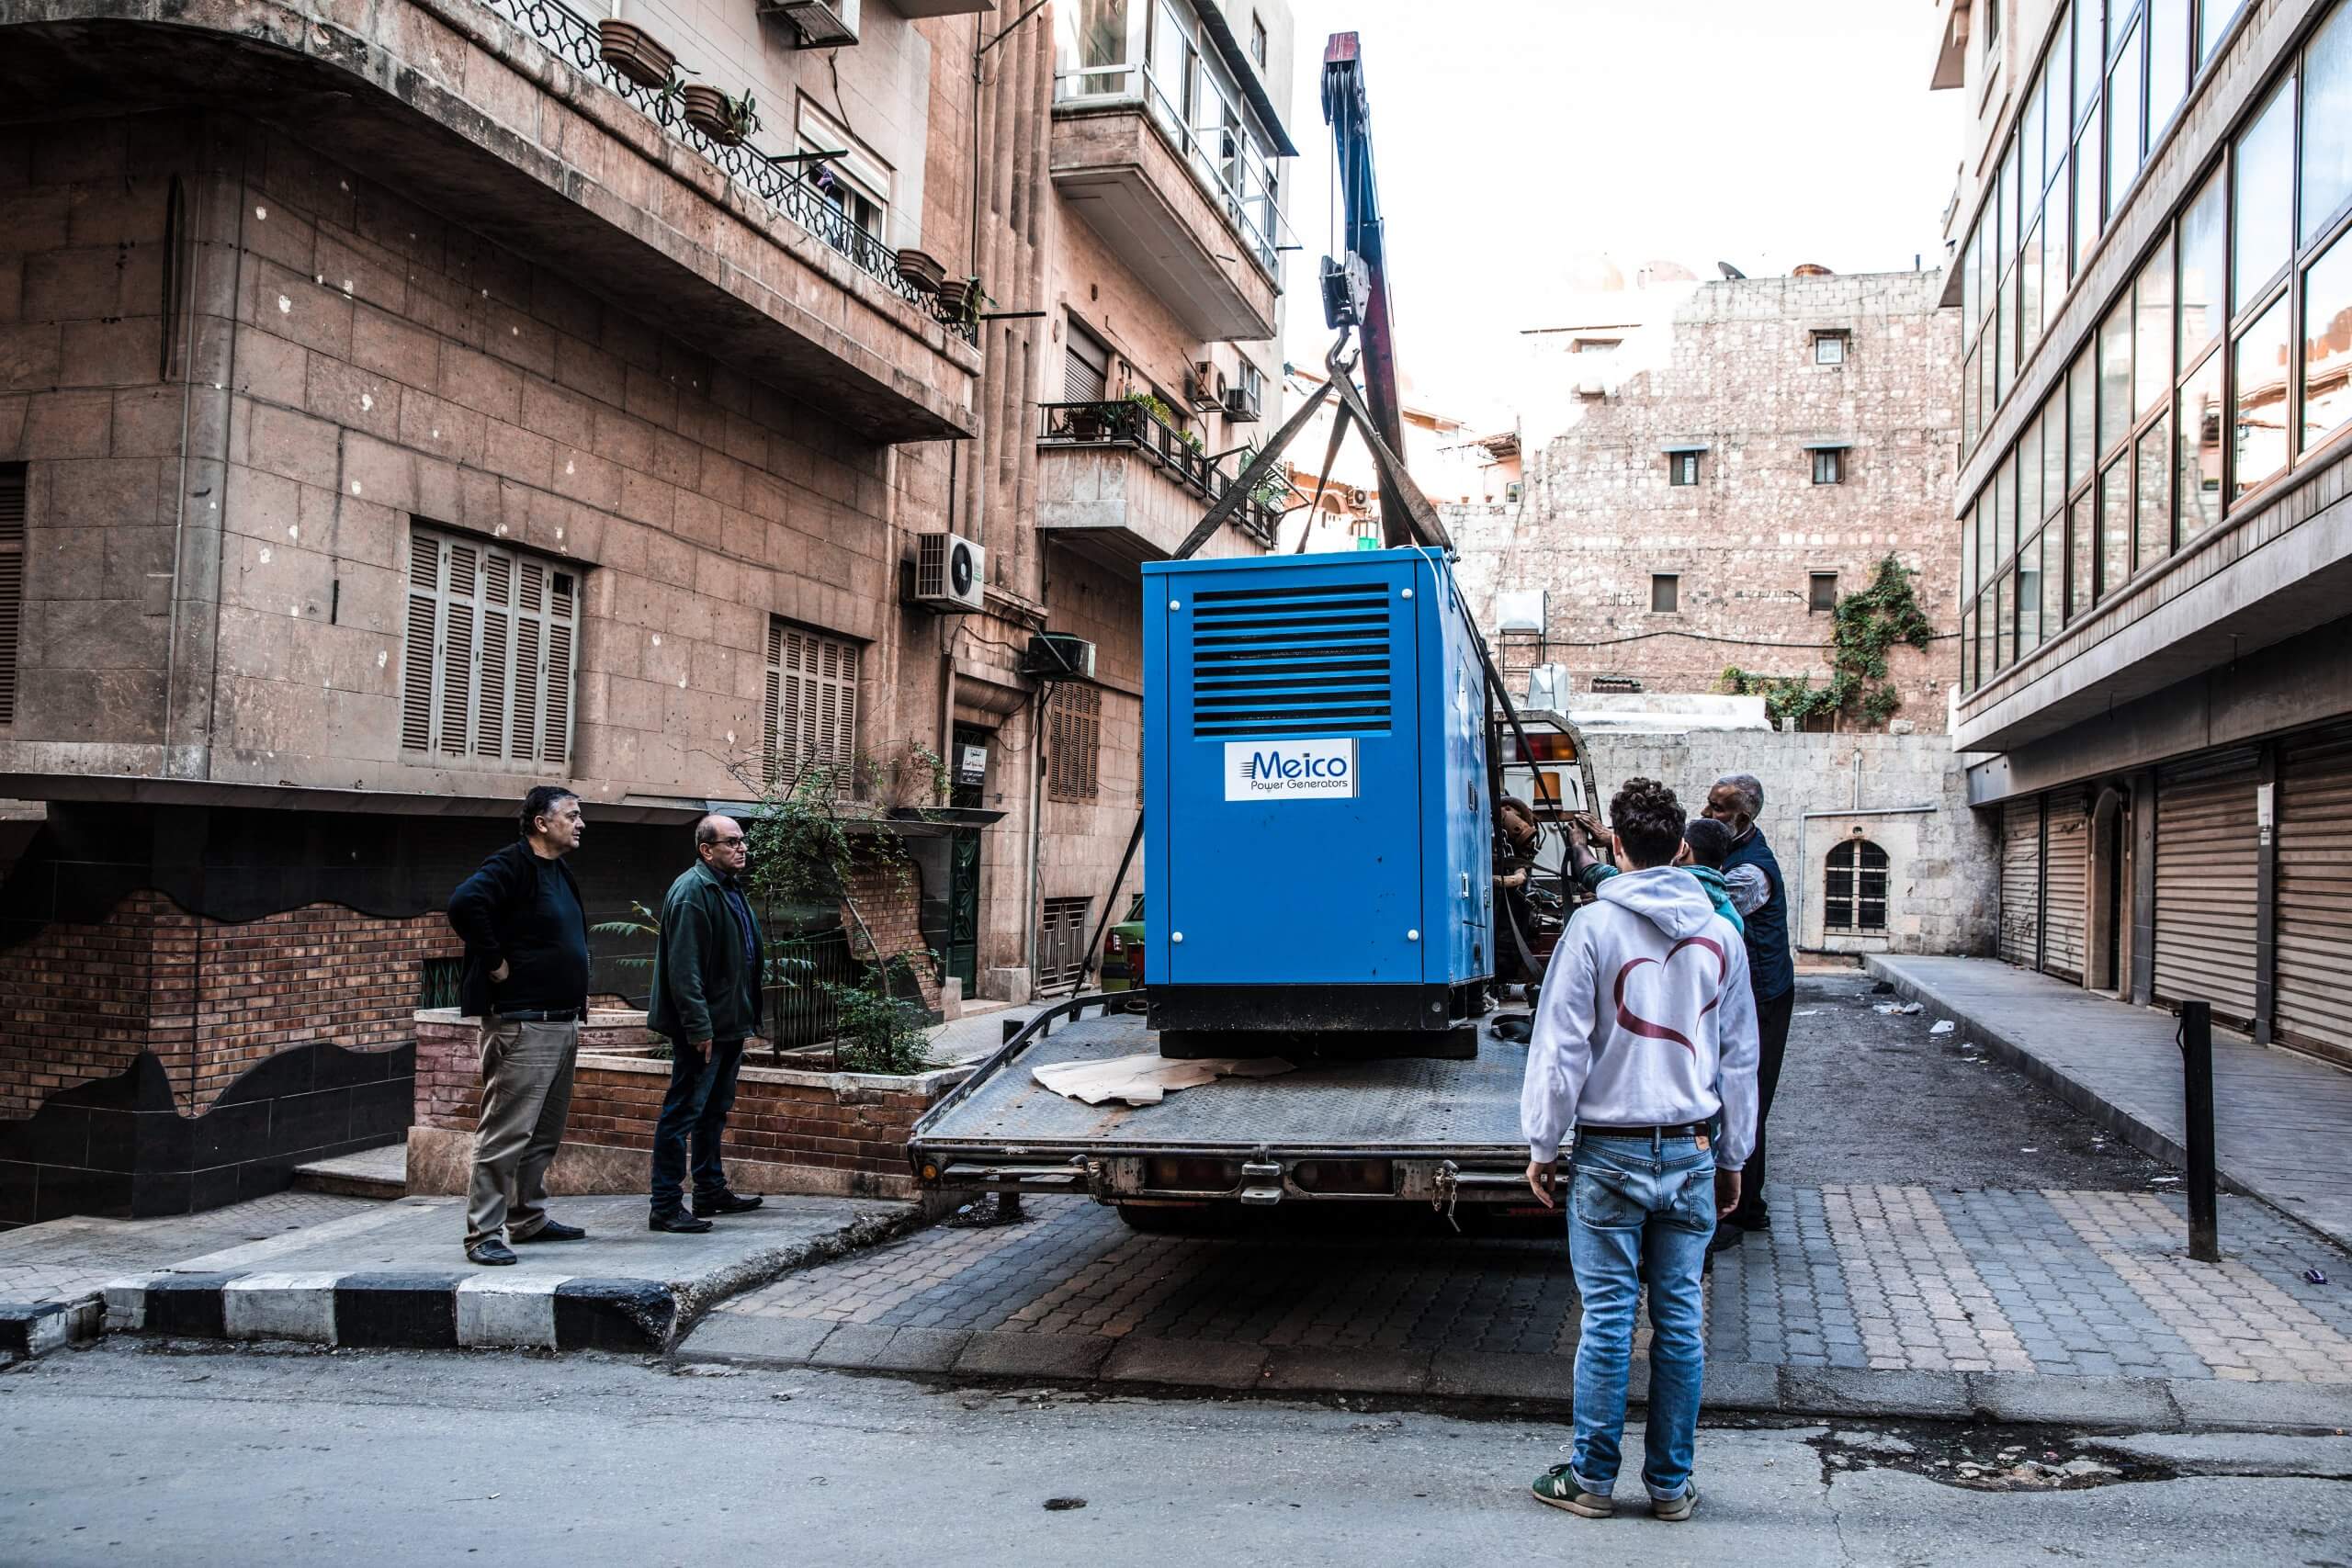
(380, 1172)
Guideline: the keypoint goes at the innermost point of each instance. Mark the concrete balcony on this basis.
(1121, 488)
(502, 118)
(1186, 238)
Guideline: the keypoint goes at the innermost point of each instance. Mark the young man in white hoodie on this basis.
(1645, 1048)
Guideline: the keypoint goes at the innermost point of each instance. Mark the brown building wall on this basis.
(1600, 518)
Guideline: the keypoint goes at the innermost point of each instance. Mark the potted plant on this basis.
(724, 119)
(635, 53)
(1085, 421)
(922, 270)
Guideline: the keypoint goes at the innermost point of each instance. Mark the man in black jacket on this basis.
(527, 979)
(707, 999)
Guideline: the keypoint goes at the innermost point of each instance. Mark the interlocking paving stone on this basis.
(1853, 1278)
(2276, 1116)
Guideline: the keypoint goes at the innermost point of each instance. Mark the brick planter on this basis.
(841, 1135)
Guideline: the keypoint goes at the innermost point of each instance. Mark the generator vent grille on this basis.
(1299, 660)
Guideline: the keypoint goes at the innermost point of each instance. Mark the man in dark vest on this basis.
(526, 977)
(1736, 801)
(707, 999)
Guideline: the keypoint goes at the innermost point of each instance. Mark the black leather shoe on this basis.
(727, 1203)
(554, 1230)
(491, 1254)
(1727, 1236)
(680, 1223)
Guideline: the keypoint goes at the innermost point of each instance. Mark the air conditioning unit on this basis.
(1057, 655)
(951, 572)
(819, 24)
(1241, 405)
(1359, 496)
(1593, 388)
(1205, 386)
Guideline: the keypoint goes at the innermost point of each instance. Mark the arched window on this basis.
(1856, 888)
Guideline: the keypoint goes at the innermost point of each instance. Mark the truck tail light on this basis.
(1358, 1176)
(1175, 1173)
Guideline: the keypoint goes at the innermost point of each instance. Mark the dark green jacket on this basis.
(703, 988)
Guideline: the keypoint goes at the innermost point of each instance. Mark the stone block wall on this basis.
(1943, 885)
(1600, 518)
(840, 1133)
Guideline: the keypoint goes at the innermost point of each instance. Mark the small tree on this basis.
(1865, 627)
(807, 835)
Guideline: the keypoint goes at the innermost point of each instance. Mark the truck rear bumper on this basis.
(1262, 1178)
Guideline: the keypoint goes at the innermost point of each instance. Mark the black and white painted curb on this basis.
(400, 1311)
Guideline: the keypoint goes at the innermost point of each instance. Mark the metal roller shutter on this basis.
(2205, 883)
(2315, 892)
(2065, 872)
(2020, 879)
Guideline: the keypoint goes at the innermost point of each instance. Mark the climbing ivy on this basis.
(1865, 627)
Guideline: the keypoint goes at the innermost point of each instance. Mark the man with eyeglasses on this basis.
(707, 999)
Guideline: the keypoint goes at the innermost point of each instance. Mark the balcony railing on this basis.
(1225, 158)
(1130, 425)
(785, 188)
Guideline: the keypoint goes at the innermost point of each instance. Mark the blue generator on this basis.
(1315, 803)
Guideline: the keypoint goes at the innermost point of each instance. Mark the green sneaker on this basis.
(1678, 1509)
(1559, 1488)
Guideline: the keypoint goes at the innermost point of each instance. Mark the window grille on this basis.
(1855, 886)
(12, 582)
(1074, 743)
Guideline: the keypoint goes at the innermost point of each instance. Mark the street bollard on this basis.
(1012, 1028)
(2197, 1101)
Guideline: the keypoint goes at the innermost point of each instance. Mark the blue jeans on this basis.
(1640, 1210)
(701, 1094)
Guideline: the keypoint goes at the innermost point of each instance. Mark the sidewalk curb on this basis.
(473, 1309)
(2142, 1135)
(1523, 1385)
(32, 1329)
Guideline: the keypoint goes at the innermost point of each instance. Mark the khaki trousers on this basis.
(525, 1095)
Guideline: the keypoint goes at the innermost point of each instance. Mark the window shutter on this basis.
(458, 646)
(497, 675)
(562, 614)
(12, 583)
(487, 672)
(811, 706)
(423, 633)
(1074, 743)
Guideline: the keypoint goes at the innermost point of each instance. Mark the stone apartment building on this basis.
(1731, 463)
(401, 407)
(2155, 667)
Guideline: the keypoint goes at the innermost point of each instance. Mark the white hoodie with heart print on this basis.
(1646, 1020)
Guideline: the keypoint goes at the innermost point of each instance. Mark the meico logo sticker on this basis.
(1290, 770)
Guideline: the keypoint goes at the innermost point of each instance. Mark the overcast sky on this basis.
(1513, 135)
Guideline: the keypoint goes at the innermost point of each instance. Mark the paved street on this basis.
(125, 1454)
(1935, 1213)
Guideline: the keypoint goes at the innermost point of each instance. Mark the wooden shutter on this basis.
(2314, 893)
(12, 583)
(1074, 743)
(487, 672)
(811, 707)
(2020, 880)
(2064, 877)
(2205, 883)
(418, 660)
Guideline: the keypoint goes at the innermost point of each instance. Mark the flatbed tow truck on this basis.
(1322, 794)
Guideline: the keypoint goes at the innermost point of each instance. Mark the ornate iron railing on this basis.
(1125, 423)
(784, 187)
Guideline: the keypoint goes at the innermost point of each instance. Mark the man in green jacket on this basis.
(707, 999)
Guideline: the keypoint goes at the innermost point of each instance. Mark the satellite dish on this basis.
(1728, 270)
